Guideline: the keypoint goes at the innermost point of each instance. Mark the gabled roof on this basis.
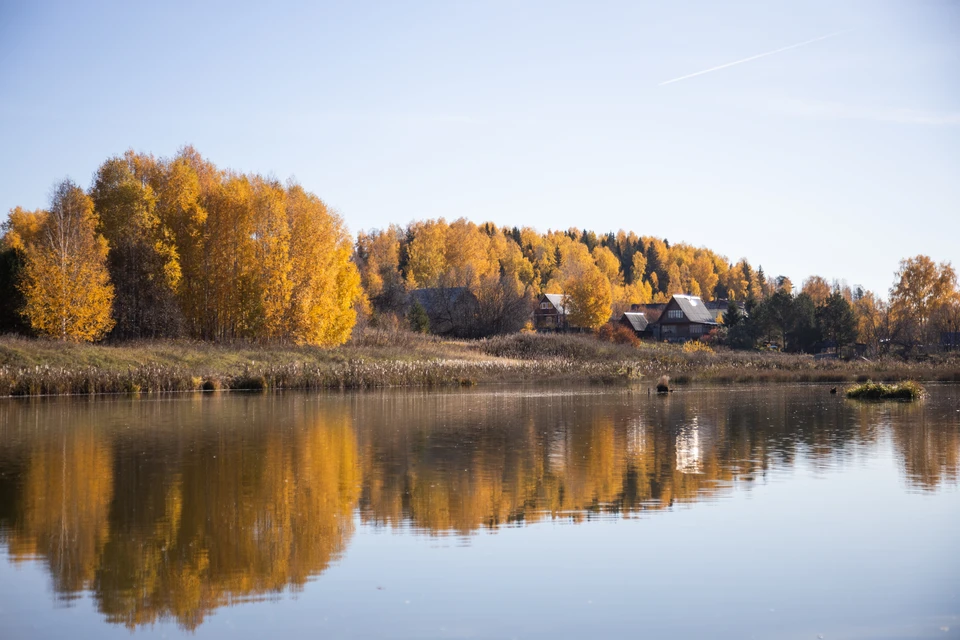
(637, 320)
(556, 299)
(694, 309)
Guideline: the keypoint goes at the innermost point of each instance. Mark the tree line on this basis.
(508, 267)
(924, 304)
(178, 247)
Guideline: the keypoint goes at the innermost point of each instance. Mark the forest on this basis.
(179, 248)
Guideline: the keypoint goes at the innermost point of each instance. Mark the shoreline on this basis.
(32, 368)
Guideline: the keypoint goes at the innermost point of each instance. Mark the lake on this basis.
(520, 512)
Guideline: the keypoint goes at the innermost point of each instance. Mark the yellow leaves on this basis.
(427, 253)
(924, 298)
(65, 280)
(638, 267)
(674, 282)
(589, 298)
(22, 227)
(608, 264)
(468, 255)
(818, 289)
(702, 272)
(325, 282)
(378, 257)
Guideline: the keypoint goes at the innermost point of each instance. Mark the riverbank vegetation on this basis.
(405, 359)
(906, 390)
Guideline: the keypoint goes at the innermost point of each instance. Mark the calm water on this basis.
(773, 512)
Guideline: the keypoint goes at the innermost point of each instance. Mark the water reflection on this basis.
(169, 509)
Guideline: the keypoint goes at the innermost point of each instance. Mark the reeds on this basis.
(40, 367)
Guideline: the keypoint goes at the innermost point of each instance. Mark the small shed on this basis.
(637, 322)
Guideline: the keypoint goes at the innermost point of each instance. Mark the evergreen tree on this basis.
(837, 321)
(418, 319)
(732, 315)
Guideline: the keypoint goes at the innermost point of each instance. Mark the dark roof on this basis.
(694, 309)
(556, 299)
(637, 320)
(429, 299)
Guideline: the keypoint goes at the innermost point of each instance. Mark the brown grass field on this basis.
(397, 359)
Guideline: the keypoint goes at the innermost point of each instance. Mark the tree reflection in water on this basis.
(169, 509)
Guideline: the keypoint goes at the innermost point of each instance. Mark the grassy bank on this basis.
(37, 367)
(650, 360)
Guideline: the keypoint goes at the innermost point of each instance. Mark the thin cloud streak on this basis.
(756, 57)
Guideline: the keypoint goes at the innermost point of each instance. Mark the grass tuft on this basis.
(908, 390)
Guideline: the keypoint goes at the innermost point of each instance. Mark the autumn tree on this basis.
(65, 282)
(921, 290)
(179, 186)
(18, 231)
(784, 283)
(325, 283)
(870, 313)
(608, 264)
(818, 289)
(588, 298)
(427, 253)
(143, 261)
(377, 256)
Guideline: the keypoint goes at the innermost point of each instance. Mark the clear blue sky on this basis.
(838, 157)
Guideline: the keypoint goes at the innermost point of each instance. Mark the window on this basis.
(696, 329)
(676, 314)
(544, 305)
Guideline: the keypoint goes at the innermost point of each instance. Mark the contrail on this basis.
(759, 55)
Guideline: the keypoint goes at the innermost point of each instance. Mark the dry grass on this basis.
(39, 367)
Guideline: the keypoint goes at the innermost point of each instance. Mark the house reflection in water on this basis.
(688, 447)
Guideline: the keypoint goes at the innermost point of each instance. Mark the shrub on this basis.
(618, 334)
(695, 346)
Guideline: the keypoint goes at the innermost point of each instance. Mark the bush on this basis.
(618, 334)
(695, 346)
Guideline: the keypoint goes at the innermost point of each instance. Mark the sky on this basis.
(837, 153)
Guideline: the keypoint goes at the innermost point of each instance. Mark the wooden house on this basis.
(551, 313)
(650, 311)
(684, 318)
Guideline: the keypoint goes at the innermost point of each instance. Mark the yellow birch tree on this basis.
(65, 280)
